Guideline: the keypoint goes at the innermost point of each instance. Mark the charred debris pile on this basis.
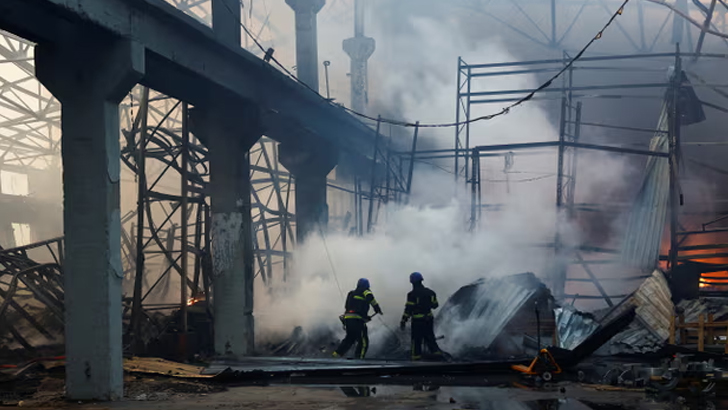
(489, 319)
(514, 316)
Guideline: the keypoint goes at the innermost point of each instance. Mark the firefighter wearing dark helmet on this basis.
(355, 319)
(420, 303)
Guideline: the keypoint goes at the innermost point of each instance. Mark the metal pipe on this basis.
(412, 158)
(617, 127)
(594, 279)
(198, 243)
(583, 88)
(183, 227)
(136, 311)
(374, 173)
(473, 191)
(674, 141)
(546, 144)
(458, 104)
(596, 58)
(706, 26)
(327, 63)
(467, 124)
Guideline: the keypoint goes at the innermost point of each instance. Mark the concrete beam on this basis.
(231, 128)
(90, 78)
(185, 59)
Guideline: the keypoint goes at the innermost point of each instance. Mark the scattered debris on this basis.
(651, 328)
(573, 327)
(31, 303)
(496, 315)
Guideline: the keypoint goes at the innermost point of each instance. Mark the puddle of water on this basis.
(495, 398)
(392, 397)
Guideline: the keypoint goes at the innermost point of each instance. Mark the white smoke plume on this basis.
(430, 235)
(413, 77)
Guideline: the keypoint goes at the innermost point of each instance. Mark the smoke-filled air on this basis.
(415, 72)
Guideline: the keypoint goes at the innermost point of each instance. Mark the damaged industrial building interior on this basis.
(201, 200)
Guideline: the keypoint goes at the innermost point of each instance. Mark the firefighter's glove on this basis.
(402, 325)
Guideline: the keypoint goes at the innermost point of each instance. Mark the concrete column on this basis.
(359, 48)
(90, 77)
(229, 129)
(307, 40)
(226, 21)
(309, 166)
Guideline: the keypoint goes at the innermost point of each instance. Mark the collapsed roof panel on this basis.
(478, 313)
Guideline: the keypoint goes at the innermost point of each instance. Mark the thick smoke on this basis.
(414, 77)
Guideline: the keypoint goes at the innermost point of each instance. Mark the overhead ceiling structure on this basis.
(642, 40)
(560, 24)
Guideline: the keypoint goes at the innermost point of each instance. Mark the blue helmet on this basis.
(416, 277)
(362, 283)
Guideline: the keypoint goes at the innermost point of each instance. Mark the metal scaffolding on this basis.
(571, 97)
(165, 176)
(555, 24)
(166, 231)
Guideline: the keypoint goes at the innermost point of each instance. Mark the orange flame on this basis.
(716, 280)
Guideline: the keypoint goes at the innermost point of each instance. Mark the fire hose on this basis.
(367, 320)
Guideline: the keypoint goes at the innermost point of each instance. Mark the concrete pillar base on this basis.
(229, 129)
(90, 78)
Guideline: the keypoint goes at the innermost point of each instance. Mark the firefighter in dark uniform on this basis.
(355, 319)
(420, 303)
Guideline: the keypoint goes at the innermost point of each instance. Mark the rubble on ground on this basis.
(651, 327)
(31, 303)
(573, 327)
(316, 342)
(41, 381)
(497, 316)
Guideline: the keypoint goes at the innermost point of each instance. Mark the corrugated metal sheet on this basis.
(478, 313)
(651, 327)
(573, 327)
(693, 308)
(647, 218)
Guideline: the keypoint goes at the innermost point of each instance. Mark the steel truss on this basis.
(32, 296)
(166, 228)
(571, 97)
(392, 184)
(169, 230)
(555, 24)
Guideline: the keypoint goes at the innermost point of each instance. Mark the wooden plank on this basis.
(711, 330)
(695, 325)
(672, 330)
(683, 332)
(151, 365)
(701, 333)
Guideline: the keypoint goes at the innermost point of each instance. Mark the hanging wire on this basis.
(488, 117)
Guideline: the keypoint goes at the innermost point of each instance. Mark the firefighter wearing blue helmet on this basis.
(420, 303)
(355, 319)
